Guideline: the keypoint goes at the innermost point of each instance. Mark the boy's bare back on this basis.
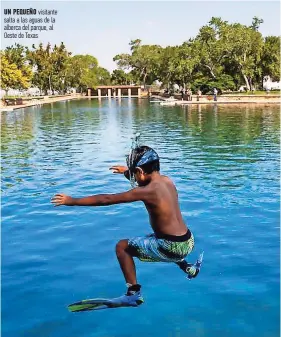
(161, 201)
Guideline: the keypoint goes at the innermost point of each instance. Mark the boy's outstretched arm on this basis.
(136, 194)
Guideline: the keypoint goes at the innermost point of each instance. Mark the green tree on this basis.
(59, 59)
(270, 58)
(120, 77)
(144, 61)
(177, 65)
(88, 65)
(256, 23)
(80, 72)
(12, 76)
(187, 64)
(83, 72)
(211, 47)
(16, 56)
(245, 45)
(103, 76)
(50, 66)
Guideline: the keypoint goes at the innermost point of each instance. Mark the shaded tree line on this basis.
(222, 55)
(51, 69)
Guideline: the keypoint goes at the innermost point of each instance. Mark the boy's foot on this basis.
(134, 294)
(127, 300)
(190, 269)
(132, 298)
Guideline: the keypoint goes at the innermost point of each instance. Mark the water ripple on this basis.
(225, 164)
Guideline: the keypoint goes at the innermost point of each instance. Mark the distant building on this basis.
(115, 91)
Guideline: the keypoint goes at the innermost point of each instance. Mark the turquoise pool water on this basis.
(224, 161)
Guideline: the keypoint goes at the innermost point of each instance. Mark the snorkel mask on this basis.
(148, 157)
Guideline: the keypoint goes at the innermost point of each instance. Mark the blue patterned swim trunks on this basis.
(163, 248)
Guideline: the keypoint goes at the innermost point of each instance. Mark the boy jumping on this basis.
(171, 241)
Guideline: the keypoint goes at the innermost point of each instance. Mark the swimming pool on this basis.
(224, 161)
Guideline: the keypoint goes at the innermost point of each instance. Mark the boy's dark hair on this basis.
(148, 167)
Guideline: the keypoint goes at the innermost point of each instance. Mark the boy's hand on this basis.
(62, 199)
(118, 169)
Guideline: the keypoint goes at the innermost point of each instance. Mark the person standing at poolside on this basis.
(215, 94)
(187, 94)
(199, 93)
(182, 94)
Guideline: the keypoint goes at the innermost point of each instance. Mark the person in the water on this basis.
(171, 241)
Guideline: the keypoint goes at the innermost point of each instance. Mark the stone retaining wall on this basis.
(227, 98)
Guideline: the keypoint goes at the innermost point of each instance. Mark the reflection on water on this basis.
(212, 130)
(225, 163)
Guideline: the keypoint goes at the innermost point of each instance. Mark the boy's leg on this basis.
(133, 296)
(126, 262)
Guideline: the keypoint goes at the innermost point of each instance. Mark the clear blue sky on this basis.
(104, 29)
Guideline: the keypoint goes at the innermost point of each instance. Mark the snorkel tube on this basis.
(130, 159)
(134, 159)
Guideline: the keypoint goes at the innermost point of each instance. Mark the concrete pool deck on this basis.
(40, 101)
(223, 99)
